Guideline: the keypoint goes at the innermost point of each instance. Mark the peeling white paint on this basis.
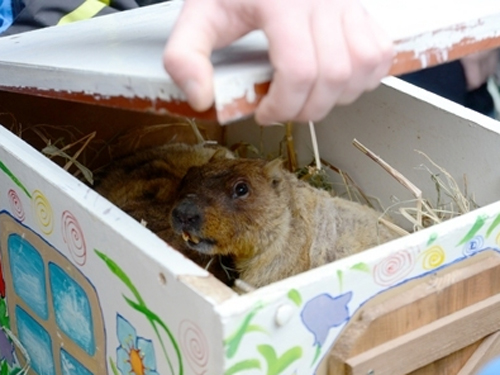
(120, 55)
(439, 43)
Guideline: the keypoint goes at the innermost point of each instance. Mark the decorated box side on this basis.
(87, 290)
(289, 327)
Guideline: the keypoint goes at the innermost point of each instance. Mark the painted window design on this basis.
(70, 366)
(71, 308)
(54, 309)
(37, 342)
(28, 274)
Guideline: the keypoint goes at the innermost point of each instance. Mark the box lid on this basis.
(115, 60)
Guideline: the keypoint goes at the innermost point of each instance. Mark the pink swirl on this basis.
(73, 237)
(394, 268)
(16, 206)
(194, 346)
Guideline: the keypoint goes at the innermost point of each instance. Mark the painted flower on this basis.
(135, 355)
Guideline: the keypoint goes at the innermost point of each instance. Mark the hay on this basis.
(423, 214)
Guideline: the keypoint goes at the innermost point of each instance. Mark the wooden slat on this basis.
(431, 342)
(489, 349)
(415, 304)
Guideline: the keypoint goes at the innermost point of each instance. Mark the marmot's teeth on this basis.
(188, 237)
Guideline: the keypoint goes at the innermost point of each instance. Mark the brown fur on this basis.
(281, 227)
(144, 185)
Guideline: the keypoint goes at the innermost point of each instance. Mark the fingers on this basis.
(201, 27)
(324, 52)
(292, 54)
(334, 65)
(371, 53)
(186, 56)
(349, 54)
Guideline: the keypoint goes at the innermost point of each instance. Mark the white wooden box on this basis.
(87, 290)
(88, 286)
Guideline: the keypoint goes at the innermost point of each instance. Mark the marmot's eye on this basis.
(240, 190)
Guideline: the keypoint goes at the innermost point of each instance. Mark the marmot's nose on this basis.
(187, 215)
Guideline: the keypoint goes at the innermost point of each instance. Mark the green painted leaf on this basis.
(113, 367)
(115, 268)
(340, 276)
(295, 296)
(4, 317)
(5, 322)
(233, 341)
(363, 267)
(493, 225)
(473, 231)
(4, 370)
(16, 371)
(275, 365)
(256, 328)
(433, 237)
(7, 171)
(243, 365)
(316, 354)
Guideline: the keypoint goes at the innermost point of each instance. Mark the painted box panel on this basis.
(88, 290)
(68, 282)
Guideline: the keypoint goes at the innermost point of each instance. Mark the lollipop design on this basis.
(433, 257)
(194, 346)
(16, 206)
(43, 212)
(473, 246)
(73, 237)
(394, 268)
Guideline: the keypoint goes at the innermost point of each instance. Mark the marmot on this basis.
(272, 224)
(144, 185)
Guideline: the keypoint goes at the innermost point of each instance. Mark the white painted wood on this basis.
(392, 121)
(394, 125)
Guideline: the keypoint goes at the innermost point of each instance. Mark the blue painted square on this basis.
(28, 274)
(37, 342)
(72, 308)
(70, 366)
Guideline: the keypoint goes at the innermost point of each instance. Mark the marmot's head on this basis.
(230, 206)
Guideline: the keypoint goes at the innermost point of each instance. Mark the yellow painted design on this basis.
(88, 9)
(43, 212)
(433, 257)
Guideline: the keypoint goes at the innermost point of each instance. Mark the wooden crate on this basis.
(420, 291)
(85, 289)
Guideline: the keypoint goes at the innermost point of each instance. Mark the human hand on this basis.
(324, 52)
(479, 66)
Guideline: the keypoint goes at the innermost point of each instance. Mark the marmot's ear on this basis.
(274, 170)
(221, 153)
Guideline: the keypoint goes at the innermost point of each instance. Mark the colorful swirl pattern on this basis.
(194, 346)
(73, 237)
(16, 206)
(394, 268)
(473, 246)
(42, 211)
(433, 257)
